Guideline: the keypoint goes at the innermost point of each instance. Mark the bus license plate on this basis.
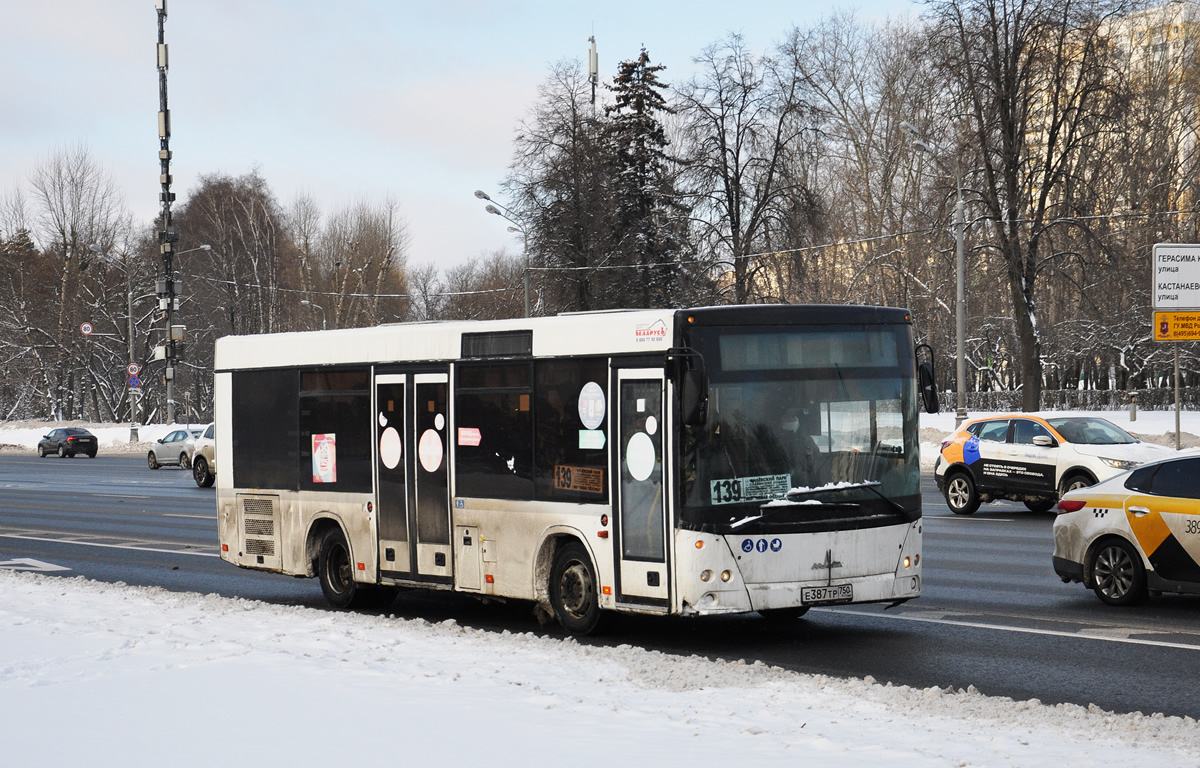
(840, 593)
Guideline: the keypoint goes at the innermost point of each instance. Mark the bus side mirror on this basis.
(694, 398)
(928, 387)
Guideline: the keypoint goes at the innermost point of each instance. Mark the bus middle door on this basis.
(641, 504)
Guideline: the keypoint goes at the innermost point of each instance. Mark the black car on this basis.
(67, 442)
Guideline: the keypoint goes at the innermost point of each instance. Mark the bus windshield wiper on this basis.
(790, 500)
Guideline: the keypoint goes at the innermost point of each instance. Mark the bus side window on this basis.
(570, 453)
(494, 413)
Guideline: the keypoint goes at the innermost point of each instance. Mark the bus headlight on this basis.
(726, 575)
(705, 576)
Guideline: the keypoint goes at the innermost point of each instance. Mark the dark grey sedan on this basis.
(67, 442)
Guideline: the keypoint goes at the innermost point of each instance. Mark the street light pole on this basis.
(308, 303)
(518, 226)
(134, 395)
(960, 302)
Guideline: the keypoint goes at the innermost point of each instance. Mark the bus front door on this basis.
(641, 507)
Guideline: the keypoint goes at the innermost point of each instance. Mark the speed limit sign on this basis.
(85, 329)
(133, 369)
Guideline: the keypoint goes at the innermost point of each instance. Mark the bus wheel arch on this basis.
(335, 569)
(317, 531)
(568, 584)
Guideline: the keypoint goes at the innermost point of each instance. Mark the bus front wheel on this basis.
(336, 571)
(573, 593)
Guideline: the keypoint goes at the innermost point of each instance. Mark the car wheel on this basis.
(1072, 482)
(183, 460)
(200, 473)
(1043, 505)
(573, 593)
(1118, 577)
(62, 452)
(91, 455)
(41, 452)
(151, 460)
(336, 571)
(961, 495)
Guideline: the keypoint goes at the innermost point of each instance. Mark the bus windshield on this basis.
(803, 408)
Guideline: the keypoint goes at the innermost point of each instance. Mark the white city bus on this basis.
(679, 462)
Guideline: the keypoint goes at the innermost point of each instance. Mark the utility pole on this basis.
(167, 236)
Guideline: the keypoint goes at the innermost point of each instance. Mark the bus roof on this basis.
(582, 333)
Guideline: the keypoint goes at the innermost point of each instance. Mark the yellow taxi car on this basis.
(1033, 458)
(1134, 534)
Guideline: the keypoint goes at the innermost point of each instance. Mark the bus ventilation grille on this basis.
(259, 530)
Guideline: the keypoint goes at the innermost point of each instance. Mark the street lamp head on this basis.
(481, 195)
(910, 130)
(493, 209)
(94, 248)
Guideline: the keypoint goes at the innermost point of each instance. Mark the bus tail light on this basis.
(602, 534)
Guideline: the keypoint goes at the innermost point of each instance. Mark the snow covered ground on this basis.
(111, 675)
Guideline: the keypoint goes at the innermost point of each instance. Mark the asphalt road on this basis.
(992, 613)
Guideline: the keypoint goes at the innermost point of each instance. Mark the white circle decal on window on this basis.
(439, 421)
(591, 405)
(390, 448)
(651, 425)
(430, 450)
(639, 456)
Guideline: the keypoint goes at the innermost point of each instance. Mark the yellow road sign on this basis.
(1177, 326)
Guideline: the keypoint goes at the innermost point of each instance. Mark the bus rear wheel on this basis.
(336, 571)
(573, 593)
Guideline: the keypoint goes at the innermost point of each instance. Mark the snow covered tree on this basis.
(650, 223)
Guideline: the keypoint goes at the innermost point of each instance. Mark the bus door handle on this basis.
(1139, 511)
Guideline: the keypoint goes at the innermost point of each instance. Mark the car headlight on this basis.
(1120, 464)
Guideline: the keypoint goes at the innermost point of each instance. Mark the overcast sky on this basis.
(348, 101)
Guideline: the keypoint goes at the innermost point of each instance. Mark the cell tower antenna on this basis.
(593, 68)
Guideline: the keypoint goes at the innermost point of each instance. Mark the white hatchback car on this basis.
(1034, 458)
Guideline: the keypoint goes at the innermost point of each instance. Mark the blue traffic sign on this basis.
(135, 382)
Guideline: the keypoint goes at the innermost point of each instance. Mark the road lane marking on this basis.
(27, 537)
(195, 517)
(1079, 635)
(965, 519)
(29, 564)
